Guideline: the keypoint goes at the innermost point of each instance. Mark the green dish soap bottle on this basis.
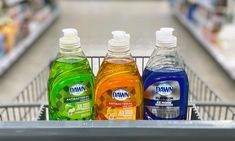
(71, 81)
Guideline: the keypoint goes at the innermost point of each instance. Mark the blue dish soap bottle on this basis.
(165, 81)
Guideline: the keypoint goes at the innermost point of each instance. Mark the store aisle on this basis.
(95, 20)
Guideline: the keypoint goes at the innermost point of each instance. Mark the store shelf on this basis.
(228, 66)
(206, 4)
(118, 130)
(10, 58)
(12, 2)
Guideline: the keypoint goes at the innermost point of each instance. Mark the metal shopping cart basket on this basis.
(25, 118)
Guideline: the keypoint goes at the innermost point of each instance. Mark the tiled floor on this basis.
(95, 20)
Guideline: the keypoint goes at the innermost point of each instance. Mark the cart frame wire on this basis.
(27, 107)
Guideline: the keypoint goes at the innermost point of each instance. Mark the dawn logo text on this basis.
(77, 89)
(164, 89)
(120, 94)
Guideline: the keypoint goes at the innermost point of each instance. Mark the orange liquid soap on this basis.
(118, 87)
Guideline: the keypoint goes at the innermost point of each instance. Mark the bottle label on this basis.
(118, 98)
(162, 100)
(74, 100)
(120, 108)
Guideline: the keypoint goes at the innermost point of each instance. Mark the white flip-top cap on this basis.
(165, 37)
(70, 39)
(120, 41)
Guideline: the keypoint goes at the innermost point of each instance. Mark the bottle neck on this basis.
(120, 54)
(165, 57)
(71, 51)
(166, 50)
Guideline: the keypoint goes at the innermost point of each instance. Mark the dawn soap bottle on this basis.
(165, 81)
(118, 85)
(71, 82)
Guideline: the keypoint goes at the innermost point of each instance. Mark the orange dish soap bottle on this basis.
(118, 85)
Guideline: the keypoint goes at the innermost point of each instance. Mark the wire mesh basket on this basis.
(27, 105)
(191, 115)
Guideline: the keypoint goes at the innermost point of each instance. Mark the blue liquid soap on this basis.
(165, 81)
(179, 108)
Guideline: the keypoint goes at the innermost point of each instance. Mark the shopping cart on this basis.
(31, 105)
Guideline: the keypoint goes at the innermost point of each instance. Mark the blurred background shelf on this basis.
(45, 17)
(229, 67)
(13, 2)
(209, 22)
(206, 4)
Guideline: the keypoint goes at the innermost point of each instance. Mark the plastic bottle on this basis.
(71, 82)
(118, 85)
(165, 80)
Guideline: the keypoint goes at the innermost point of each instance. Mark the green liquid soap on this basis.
(71, 87)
